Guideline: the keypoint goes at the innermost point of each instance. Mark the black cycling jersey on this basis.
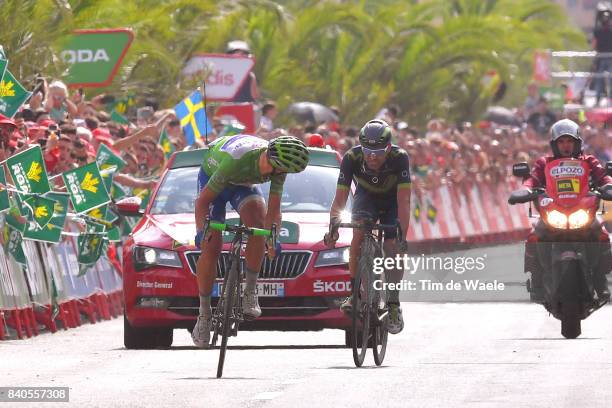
(394, 173)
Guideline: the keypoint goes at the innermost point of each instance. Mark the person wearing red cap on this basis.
(316, 140)
(101, 135)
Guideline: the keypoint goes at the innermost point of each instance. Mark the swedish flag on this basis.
(190, 111)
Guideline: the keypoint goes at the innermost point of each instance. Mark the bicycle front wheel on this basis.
(362, 303)
(230, 291)
(380, 333)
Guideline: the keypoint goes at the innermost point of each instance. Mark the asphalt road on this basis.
(461, 354)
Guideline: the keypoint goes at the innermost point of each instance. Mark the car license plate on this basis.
(264, 289)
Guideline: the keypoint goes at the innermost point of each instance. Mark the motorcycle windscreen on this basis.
(567, 181)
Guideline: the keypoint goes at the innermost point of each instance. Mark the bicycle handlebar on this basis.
(258, 232)
(332, 234)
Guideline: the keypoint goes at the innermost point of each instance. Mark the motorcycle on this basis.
(567, 242)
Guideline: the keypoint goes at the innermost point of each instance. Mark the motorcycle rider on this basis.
(566, 142)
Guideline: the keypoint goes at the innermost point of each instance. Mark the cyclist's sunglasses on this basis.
(375, 152)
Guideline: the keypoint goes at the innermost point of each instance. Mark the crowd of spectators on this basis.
(70, 129)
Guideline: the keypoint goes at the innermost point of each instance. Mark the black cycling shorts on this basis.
(376, 208)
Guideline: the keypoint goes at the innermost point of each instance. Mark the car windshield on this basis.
(309, 191)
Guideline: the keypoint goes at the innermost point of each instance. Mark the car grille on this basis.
(287, 306)
(289, 265)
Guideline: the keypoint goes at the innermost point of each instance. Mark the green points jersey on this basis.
(234, 160)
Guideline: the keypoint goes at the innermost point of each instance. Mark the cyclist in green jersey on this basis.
(233, 167)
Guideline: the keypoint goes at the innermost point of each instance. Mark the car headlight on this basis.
(146, 257)
(336, 256)
(557, 219)
(578, 219)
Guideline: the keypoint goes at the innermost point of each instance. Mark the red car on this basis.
(300, 290)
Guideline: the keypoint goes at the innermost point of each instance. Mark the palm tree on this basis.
(429, 57)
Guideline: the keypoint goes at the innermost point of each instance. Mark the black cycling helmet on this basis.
(565, 127)
(288, 154)
(376, 134)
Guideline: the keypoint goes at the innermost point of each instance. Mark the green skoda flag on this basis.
(95, 227)
(117, 192)
(12, 95)
(123, 105)
(119, 118)
(41, 209)
(52, 232)
(106, 158)
(108, 163)
(114, 235)
(4, 196)
(13, 240)
(90, 247)
(164, 142)
(99, 213)
(86, 188)
(28, 171)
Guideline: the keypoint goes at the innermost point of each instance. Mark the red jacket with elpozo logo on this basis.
(538, 177)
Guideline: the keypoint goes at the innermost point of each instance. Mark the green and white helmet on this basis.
(288, 154)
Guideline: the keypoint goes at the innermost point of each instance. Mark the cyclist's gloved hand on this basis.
(330, 238)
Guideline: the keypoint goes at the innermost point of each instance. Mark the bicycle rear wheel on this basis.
(230, 290)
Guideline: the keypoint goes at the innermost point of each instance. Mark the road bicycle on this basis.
(228, 313)
(369, 314)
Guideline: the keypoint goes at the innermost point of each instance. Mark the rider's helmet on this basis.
(237, 45)
(565, 127)
(288, 154)
(376, 134)
(604, 12)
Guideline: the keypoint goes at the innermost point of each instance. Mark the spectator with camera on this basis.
(58, 105)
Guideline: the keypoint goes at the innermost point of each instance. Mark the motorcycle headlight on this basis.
(146, 257)
(578, 219)
(336, 256)
(557, 219)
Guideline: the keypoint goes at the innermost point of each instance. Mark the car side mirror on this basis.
(130, 207)
(521, 170)
(609, 168)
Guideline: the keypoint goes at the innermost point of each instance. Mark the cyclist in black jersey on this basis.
(381, 173)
